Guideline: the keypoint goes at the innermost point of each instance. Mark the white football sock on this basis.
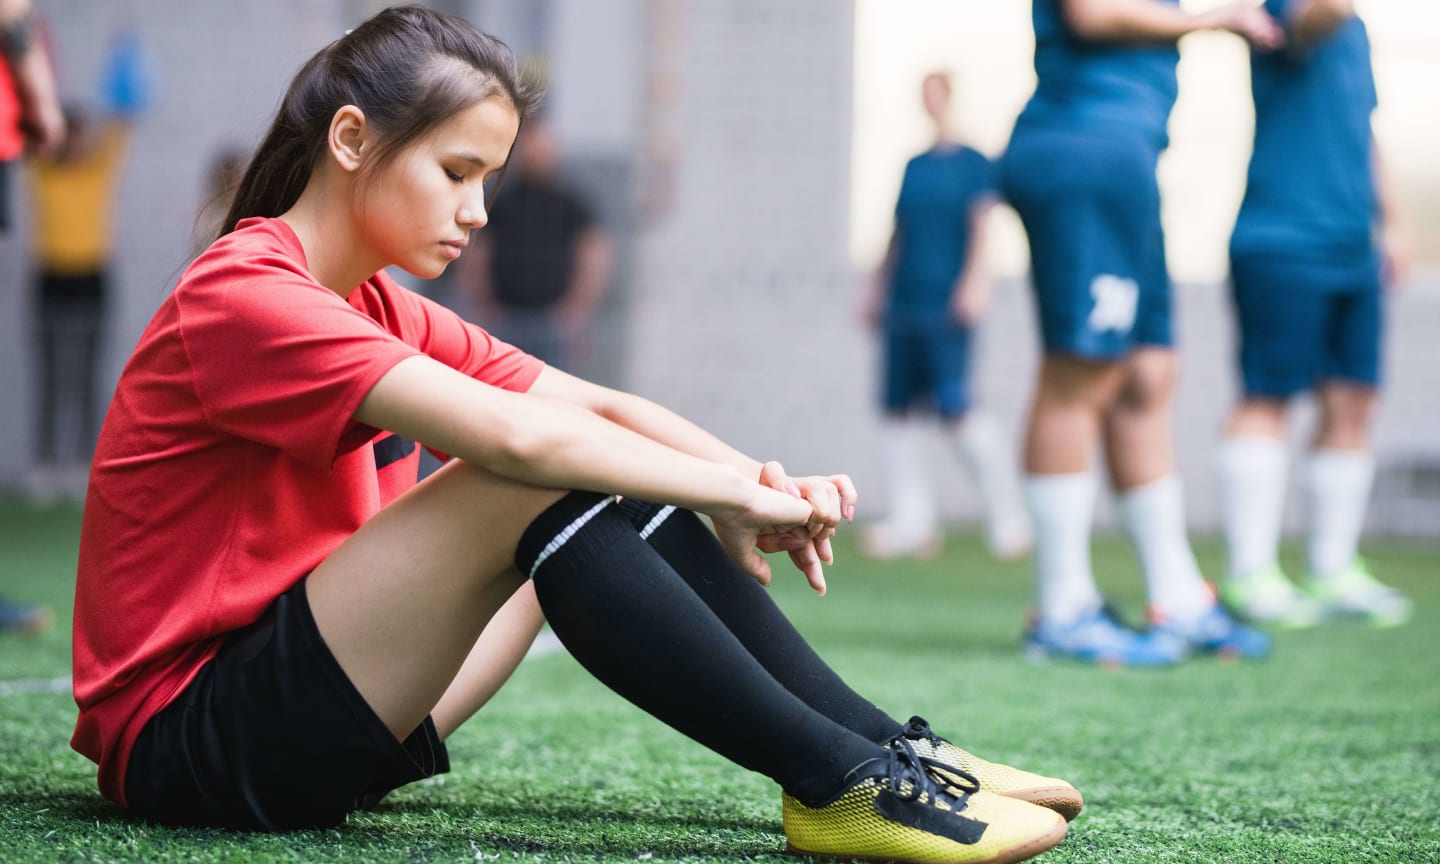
(913, 511)
(1062, 507)
(993, 467)
(1337, 491)
(1154, 517)
(1251, 473)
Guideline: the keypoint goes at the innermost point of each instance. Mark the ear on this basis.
(350, 137)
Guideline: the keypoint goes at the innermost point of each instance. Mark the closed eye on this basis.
(454, 177)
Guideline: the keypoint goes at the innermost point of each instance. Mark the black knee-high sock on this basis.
(630, 620)
(748, 611)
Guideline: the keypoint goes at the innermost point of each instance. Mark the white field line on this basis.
(35, 685)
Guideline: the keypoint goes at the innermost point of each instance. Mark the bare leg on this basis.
(1345, 412)
(497, 652)
(425, 574)
(1064, 428)
(1139, 446)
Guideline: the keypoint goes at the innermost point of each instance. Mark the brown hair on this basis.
(409, 69)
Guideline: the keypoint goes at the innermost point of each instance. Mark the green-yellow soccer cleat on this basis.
(1266, 596)
(1354, 593)
(1049, 792)
(911, 811)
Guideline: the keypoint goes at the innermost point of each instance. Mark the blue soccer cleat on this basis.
(1099, 637)
(1213, 631)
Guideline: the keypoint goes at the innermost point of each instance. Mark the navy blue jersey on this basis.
(932, 224)
(1311, 187)
(1099, 87)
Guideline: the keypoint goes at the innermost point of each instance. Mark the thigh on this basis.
(402, 601)
(950, 364)
(904, 376)
(1088, 211)
(1281, 319)
(1354, 334)
(271, 735)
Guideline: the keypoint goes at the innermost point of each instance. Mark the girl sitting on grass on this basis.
(275, 624)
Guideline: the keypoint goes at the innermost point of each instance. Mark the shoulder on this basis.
(260, 262)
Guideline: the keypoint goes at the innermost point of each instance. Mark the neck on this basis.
(334, 253)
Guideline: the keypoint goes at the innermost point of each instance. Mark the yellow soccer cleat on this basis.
(913, 812)
(1049, 792)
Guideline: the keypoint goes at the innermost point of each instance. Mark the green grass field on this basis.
(1328, 751)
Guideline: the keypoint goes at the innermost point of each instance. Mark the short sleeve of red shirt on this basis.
(281, 360)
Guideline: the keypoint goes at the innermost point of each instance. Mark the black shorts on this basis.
(272, 736)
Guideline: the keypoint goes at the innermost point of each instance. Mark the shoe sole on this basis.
(1065, 800)
(1022, 852)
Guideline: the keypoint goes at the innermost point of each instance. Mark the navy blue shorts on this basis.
(272, 736)
(927, 358)
(1091, 210)
(1302, 322)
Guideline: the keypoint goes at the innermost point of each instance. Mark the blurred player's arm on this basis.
(1313, 20)
(1146, 21)
(34, 78)
(1394, 227)
(594, 262)
(872, 303)
(473, 280)
(972, 290)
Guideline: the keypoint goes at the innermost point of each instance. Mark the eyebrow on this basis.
(466, 156)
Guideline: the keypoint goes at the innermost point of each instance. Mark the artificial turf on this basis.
(1327, 751)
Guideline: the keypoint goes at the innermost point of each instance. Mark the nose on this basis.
(473, 215)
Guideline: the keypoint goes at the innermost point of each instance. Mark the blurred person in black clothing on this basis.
(537, 274)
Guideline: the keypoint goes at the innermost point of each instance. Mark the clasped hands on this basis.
(806, 538)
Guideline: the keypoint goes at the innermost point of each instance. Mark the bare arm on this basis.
(972, 290)
(593, 264)
(1394, 227)
(1313, 20)
(872, 304)
(540, 439)
(1150, 21)
(833, 497)
(34, 78)
(548, 441)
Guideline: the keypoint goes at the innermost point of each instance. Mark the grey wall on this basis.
(714, 136)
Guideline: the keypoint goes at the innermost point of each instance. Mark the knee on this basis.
(1147, 386)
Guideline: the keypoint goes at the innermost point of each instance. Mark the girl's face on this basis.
(417, 211)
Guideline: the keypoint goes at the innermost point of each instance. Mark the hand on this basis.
(831, 499)
(1394, 257)
(766, 513)
(44, 126)
(968, 304)
(1251, 23)
(872, 312)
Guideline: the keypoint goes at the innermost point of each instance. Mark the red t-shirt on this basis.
(12, 140)
(230, 465)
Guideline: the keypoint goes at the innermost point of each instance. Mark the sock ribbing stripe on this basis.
(560, 525)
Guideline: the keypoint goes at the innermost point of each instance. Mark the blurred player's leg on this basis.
(1338, 477)
(990, 462)
(911, 528)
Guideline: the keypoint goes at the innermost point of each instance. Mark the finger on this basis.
(825, 550)
(754, 564)
(808, 562)
(848, 496)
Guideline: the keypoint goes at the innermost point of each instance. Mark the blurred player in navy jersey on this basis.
(1080, 171)
(927, 296)
(1314, 242)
